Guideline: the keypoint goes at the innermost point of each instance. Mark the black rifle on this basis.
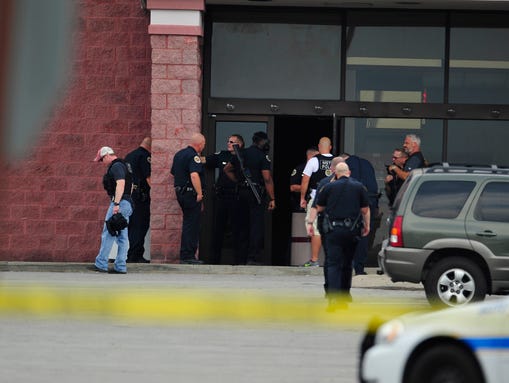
(246, 175)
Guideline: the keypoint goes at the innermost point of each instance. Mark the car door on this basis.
(487, 225)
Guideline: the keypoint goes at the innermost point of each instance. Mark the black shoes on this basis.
(191, 261)
(113, 271)
(109, 271)
(96, 269)
(138, 260)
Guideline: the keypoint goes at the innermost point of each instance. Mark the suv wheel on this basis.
(455, 281)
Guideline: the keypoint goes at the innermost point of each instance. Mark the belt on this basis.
(347, 222)
(183, 189)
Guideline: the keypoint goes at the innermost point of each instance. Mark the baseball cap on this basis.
(102, 152)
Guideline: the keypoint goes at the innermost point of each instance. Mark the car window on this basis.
(493, 204)
(441, 199)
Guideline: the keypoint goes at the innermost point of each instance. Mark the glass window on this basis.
(441, 199)
(493, 204)
(376, 138)
(479, 65)
(400, 63)
(478, 142)
(277, 61)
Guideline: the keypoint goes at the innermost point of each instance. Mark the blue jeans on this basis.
(101, 261)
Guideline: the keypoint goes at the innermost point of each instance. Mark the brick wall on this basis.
(53, 203)
(176, 115)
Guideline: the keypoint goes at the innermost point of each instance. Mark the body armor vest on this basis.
(110, 184)
(324, 170)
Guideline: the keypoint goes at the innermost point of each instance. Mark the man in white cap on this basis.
(118, 184)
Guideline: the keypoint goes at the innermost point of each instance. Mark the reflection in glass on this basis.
(478, 142)
(479, 68)
(395, 64)
(262, 60)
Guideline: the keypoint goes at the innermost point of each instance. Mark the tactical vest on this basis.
(109, 182)
(324, 170)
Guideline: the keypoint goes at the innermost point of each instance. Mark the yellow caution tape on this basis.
(191, 306)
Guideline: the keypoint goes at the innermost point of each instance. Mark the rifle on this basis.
(246, 175)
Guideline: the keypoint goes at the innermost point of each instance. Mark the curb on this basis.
(371, 280)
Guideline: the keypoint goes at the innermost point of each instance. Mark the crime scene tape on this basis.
(166, 306)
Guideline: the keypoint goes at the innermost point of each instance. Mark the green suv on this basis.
(449, 229)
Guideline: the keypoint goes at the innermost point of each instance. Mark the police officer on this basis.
(226, 199)
(187, 169)
(392, 181)
(296, 180)
(362, 170)
(139, 159)
(255, 165)
(118, 183)
(314, 216)
(343, 202)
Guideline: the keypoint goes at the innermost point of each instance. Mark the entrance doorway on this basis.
(292, 136)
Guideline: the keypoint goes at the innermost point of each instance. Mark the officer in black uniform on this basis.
(362, 170)
(344, 203)
(226, 199)
(296, 180)
(256, 165)
(187, 168)
(140, 219)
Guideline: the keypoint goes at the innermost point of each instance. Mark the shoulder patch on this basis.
(216, 153)
(197, 159)
(294, 171)
(267, 158)
(328, 172)
(149, 159)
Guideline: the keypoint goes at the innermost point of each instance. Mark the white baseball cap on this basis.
(102, 152)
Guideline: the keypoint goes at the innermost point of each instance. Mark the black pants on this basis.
(227, 211)
(341, 245)
(191, 210)
(139, 223)
(251, 233)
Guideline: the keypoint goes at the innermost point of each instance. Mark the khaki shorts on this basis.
(315, 223)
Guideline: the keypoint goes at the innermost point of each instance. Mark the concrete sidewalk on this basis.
(372, 280)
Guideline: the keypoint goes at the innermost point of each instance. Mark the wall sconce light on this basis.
(495, 113)
(230, 107)
(406, 110)
(274, 108)
(363, 110)
(318, 109)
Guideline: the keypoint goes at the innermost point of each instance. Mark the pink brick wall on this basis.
(53, 203)
(176, 115)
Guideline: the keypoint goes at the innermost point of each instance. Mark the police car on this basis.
(467, 344)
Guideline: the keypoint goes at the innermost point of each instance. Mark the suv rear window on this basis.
(493, 203)
(441, 199)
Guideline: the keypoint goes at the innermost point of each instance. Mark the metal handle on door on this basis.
(487, 233)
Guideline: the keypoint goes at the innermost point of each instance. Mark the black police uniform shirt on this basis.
(320, 186)
(414, 161)
(218, 160)
(362, 171)
(141, 167)
(255, 160)
(296, 179)
(185, 162)
(343, 198)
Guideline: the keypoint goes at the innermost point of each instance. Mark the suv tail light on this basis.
(396, 238)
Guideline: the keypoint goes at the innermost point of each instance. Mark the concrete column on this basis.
(176, 32)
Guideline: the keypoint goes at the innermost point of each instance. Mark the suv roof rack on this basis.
(446, 167)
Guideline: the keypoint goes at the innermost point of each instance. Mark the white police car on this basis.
(467, 344)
